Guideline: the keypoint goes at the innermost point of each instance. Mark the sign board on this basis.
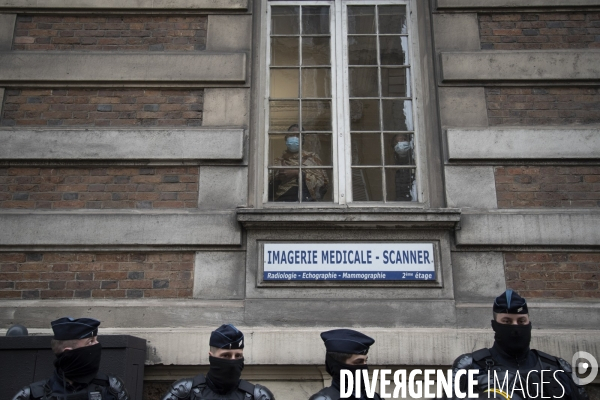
(348, 262)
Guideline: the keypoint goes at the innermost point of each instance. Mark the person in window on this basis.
(405, 177)
(284, 184)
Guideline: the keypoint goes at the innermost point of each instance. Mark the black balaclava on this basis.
(334, 367)
(79, 365)
(513, 339)
(224, 374)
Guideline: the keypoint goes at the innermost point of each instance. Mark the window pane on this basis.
(364, 115)
(392, 19)
(283, 114)
(394, 50)
(284, 83)
(366, 149)
(320, 145)
(316, 51)
(395, 82)
(284, 51)
(362, 50)
(277, 148)
(363, 82)
(285, 20)
(316, 115)
(366, 184)
(361, 19)
(400, 184)
(316, 82)
(397, 115)
(398, 149)
(283, 185)
(315, 20)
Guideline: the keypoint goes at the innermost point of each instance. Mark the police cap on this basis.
(510, 302)
(227, 336)
(347, 341)
(68, 328)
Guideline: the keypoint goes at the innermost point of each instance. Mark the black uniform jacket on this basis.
(197, 389)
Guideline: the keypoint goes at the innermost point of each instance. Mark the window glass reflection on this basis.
(284, 51)
(394, 50)
(367, 184)
(363, 82)
(316, 51)
(395, 82)
(397, 115)
(316, 115)
(316, 82)
(283, 114)
(392, 19)
(361, 19)
(315, 20)
(401, 184)
(366, 148)
(284, 83)
(364, 115)
(285, 20)
(362, 50)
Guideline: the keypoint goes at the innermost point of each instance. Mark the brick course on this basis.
(539, 31)
(96, 275)
(110, 33)
(554, 275)
(543, 106)
(99, 188)
(102, 108)
(547, 186)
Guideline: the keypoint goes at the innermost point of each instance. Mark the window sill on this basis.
(357, 218)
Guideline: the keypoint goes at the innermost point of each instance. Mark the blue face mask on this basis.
(293, 144)
(402, 147)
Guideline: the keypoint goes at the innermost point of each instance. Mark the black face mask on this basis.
(79, 365)
(334, 367)
(224, 375)
(513, 339)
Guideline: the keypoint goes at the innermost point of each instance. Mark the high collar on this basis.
(526, 359)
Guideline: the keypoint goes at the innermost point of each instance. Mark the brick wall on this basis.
(72, 188)
(554, 275)
(102, 108)
(100, 275)
(112, 33)
(548, 186)
(543, 105)
(539, 31)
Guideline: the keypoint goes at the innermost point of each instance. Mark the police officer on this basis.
(528, 373)
(226, 357)
(77, 362)
(346, 349)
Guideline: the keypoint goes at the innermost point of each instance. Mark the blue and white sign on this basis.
(348, 262)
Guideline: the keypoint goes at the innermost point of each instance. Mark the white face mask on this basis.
(402, 148)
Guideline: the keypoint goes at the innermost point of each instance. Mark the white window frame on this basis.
(341, 149)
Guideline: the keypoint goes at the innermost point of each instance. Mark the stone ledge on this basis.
(18, 68)
(523, 143)
(285, 346)
(470, 4)
(518, 66)
(331, 218)
(122, 144)
(117, 228)
(553, 227)
(138, 5)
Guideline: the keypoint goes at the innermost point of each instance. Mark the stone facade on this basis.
(132, 176)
